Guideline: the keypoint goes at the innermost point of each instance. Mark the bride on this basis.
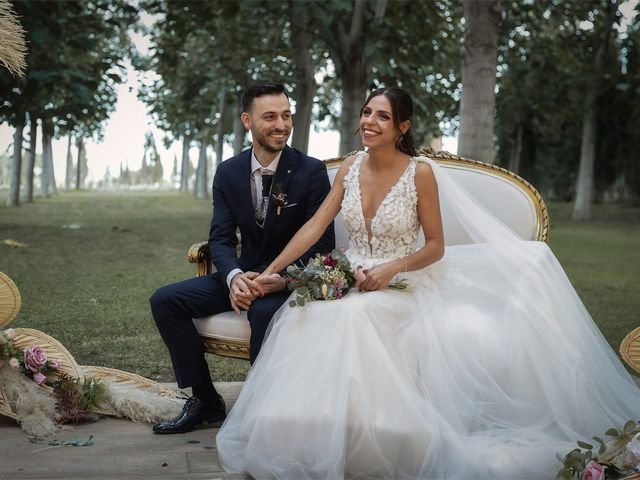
(486, 368)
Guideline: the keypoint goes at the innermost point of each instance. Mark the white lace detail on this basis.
(394, 229)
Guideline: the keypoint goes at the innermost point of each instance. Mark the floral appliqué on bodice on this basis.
(394, 228)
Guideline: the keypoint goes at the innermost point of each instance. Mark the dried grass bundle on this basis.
(13, 48)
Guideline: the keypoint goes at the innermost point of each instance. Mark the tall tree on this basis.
(13, 199)
(345, 28)
(479, 58)
(48, 175)
(31, 159)
(584, 186)
(68, 178)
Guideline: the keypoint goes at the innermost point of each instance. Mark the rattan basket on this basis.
(630, 350)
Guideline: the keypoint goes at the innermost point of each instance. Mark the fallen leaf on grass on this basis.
(14, 243)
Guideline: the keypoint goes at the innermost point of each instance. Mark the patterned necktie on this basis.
(263, 201)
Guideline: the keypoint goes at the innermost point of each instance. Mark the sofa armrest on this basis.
(200, 255)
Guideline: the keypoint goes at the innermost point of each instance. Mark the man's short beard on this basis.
(269, 148)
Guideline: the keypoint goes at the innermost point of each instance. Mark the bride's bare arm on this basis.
(379, 276)
(311, 231)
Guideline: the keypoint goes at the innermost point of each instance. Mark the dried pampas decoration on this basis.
(13, 48)
(35, 407)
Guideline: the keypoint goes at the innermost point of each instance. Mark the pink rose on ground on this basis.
(35, 358)
(359, 274)
(53, 364)
(593, 471)
(14, 363)
(39, 378)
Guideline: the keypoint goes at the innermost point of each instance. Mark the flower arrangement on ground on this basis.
(42, 393)
(616, 459)
(74, 398)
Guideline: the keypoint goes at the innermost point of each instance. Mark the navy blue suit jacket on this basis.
(305, 182)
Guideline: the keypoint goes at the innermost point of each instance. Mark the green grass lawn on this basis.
(89, 287)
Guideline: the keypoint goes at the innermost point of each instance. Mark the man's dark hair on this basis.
(258, 89)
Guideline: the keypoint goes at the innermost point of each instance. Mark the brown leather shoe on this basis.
(193, 413)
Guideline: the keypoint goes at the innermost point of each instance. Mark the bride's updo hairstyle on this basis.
(401, 111)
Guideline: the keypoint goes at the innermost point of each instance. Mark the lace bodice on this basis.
(394, 228)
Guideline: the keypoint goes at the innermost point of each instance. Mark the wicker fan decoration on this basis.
(13, 48)
(5, 408)
(10, 300)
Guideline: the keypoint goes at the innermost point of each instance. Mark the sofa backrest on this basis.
(511, 198)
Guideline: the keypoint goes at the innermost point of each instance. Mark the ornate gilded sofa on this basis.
(514, 200)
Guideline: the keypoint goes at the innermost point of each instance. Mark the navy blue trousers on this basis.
(174, 306)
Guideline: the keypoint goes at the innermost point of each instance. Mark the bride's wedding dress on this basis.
(487, 368)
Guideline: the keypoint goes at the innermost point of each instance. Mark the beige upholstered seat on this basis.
(508, 196)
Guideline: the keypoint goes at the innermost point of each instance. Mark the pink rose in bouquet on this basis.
(593, 471)
(35, 358)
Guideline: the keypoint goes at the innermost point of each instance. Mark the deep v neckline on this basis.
(384, 199)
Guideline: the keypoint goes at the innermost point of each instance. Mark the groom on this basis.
(267, 193)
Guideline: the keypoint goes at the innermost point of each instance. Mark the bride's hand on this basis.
(271, 282)
(378, 277)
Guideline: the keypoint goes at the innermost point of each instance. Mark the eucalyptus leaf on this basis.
(584, 445)
(630, 427)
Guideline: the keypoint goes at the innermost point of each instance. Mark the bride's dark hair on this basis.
(401, 111)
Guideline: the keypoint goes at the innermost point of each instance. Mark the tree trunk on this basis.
(516, 152)
(201, 171)
(351, 62)
(13, 200)
(354, 93)
(81, 160)
(184, 170)
(478, 68)
(47, 178)
(306, 83)
(68, 178)
(239, 131)
(220, 140)
(31, 159)
(584, 185)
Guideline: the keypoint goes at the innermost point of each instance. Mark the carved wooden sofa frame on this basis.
(514, 200)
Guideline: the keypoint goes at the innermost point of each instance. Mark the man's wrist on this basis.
(232, 274)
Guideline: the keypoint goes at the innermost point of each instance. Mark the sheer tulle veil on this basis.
(537, 294)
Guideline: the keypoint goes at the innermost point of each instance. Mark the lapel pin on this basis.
(288, 171)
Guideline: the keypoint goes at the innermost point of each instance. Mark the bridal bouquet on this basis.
(326, 277)
(617, 458)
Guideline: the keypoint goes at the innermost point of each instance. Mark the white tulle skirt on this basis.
(470, 374)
